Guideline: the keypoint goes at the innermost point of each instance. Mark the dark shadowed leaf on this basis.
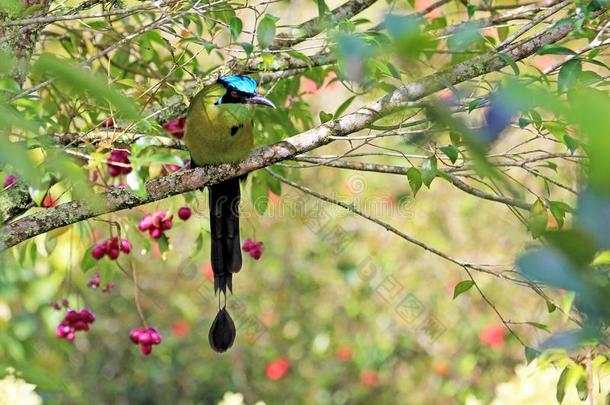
(568, 75)
(451, 152)
(555, 50)
(561, 385)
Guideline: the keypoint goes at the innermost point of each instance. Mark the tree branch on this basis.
(75, 211)
(316, 25)
(401, 170)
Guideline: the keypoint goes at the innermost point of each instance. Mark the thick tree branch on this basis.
(177, 183)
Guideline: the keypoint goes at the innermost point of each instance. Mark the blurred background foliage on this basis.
(337, 310)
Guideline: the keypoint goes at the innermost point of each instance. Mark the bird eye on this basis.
(234, 94)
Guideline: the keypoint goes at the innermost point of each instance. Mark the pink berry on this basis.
(72, 316)
(154, 336)
(114, 171)
(146, 349)
(95, 281)
(135, 334)
(155, 233)
(70, 336)
(254, 249)
(113, 253)
(247, 245)
(109, 123)
(65, 303)
(98, 251)
(166, 225)
(125, 246)
(9, 181)
(158, 217)
(81, 325)
(176, 127)
(55, 305)
(145, 338)
(87, 315)
(145, 223)
(184, 213)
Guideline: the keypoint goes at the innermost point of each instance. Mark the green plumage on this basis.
(217, 133)
(219, 130)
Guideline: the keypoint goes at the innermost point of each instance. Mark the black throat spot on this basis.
(236, 128)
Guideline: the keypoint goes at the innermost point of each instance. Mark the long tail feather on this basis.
(224, 226)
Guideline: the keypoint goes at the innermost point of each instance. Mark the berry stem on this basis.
(137, 294)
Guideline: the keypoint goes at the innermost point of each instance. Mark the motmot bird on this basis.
(219, 130)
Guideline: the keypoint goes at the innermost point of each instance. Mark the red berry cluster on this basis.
(73, 322)
(184, 213)
(111, 248)
(156, 223)
(118, 156)
(254, 249)
(176, 127)
(146, 338)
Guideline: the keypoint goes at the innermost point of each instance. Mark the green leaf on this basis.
(163, 243)
(322, 8)
(247, 46)
(84, 83)
(471, 8)
(510, 62)
(502, 33)
(344, 105)
(559, 209)
(88, 261)
(538, 219)
(561, 385)
(235, 25)
(265, 33)
(273, 183)
(451, 152)
(571, 143)
(530, 354)
(259, 194)
(325, 117)
(415, 181)
(550, 307)
(555, 50)
(455, 137)
(428, 170)
(581, 387)
(474, 104)
(523, 122)
(568, 75)
(462, 287)
(540, 326)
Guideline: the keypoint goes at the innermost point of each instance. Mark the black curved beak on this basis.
(261, 100)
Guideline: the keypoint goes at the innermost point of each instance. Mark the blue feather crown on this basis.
(244, 84)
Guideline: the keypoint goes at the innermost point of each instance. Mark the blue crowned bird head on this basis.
(241, 90)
